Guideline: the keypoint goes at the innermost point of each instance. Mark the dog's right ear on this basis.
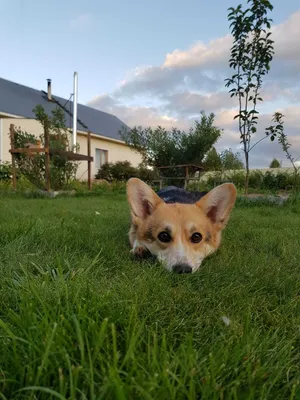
(141, 198)
(218, 204)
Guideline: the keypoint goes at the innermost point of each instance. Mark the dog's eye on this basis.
(196, 237)
(164, 237)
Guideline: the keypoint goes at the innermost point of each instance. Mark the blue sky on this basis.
(103, 40)
(143, 60)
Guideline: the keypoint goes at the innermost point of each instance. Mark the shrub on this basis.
(238, 178)
(282, 181)
(147, 175)
(121, 171)
(105, 172)
(269, 181)
(293, 182)
(5, 172)
(257, 181)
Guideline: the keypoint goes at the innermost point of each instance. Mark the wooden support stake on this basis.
(28, 151)
(12, 146)
(69, 155)
(47, 159)
(160, 181)
(186, 181)
(89, 161)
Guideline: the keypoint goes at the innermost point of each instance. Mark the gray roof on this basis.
(20, 100)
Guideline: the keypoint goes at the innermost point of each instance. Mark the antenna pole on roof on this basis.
(75, 99)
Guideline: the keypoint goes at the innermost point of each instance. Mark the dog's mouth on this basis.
(182, 269)
(178, 268)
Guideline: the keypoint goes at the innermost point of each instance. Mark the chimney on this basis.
(75, 100)
(49, 90)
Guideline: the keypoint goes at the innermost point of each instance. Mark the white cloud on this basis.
(200, 55)
(190, 103)
(286, 38)
(216, 52)
(136, 116)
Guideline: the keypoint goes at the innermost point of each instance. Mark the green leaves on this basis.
(226, 160)
(275, 163)
(277, 130)
(62, 170)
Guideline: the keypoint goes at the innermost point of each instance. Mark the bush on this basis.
(121, 171)
(257, 181)
(282, 181)
(147, 175)
(5, 172)
(293, 182)
(6, 176)
(269, 181)
(238, 178)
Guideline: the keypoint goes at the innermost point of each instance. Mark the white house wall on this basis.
(117, 151)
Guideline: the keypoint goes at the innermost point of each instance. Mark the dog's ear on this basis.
(218, 203)
(141, 198)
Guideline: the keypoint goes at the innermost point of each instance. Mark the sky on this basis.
(151, 62)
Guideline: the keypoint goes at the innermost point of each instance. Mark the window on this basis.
(101, 157)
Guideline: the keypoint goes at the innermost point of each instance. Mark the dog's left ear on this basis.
(141, 198)
(218, 203)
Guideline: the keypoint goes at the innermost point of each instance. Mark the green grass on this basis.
(79, 319)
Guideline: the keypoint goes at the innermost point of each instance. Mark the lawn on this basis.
(79, 319)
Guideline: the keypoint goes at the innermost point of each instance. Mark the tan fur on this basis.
(150, 216)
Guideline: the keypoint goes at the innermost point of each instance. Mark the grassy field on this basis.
(80, 320)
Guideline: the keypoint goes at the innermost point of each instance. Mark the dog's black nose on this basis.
(182, 269)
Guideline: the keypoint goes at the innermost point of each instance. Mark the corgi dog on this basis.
(178, 227)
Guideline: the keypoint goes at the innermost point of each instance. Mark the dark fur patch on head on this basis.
(208, 236)
(149, 235)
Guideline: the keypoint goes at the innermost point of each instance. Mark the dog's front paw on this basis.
(139, 252)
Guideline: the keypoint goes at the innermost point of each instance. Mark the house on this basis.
(16, 107)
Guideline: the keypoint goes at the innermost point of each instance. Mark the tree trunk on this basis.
(247, 173)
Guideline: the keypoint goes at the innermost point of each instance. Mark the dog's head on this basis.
(180, 235)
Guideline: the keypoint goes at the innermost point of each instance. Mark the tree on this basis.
(275, 163)
(226, 160)
(213, 161)
(251, 55)
(231, 160)
(160, 147)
